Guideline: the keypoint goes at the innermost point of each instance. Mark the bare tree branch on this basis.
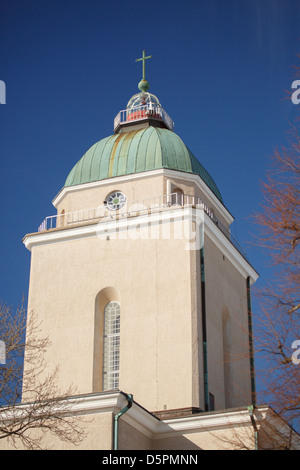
(48, 410)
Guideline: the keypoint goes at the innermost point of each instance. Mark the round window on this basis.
(115, 201)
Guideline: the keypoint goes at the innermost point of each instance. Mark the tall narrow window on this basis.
(211, 402)
(227, 362)
(111, 346)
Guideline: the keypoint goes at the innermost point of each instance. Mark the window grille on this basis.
(111, 346)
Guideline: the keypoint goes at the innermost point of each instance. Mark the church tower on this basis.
(137, 280)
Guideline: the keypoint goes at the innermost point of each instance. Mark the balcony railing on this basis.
(152, 205)
(139, 113)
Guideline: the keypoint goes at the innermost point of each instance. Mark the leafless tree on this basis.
(48, 409)
(279, 319)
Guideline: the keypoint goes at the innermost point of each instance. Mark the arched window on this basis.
(111, 346)
(177, 197)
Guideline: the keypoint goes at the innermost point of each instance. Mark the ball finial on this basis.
(144, 85)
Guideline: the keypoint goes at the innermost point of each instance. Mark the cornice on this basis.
(139, 417)
(117, 227)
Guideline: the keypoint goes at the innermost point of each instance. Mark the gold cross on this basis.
(144, 58)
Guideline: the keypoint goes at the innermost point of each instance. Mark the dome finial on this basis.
(144, 84)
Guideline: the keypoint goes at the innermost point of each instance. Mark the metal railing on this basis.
(139, 207)
(136, 208)
(138, 113)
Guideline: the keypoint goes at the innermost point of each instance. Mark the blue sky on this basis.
(219, 68)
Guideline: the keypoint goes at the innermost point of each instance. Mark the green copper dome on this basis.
(136, 151)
